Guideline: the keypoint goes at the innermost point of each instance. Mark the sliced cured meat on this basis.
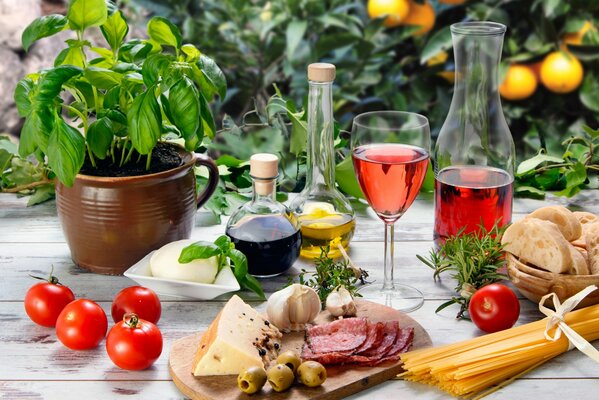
(344, 335)
(401, 345)
(390, 332)
(375, 336)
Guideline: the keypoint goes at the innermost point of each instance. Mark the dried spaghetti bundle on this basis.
(470, 367)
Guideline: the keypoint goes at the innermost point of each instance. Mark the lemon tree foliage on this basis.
(396, 54)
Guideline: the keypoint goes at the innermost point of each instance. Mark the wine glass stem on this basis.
(389, 246)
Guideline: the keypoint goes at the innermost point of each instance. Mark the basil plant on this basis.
(125, 98)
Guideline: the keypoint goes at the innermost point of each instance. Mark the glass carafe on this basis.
(474, 155)
(325, 215)
(263, 229)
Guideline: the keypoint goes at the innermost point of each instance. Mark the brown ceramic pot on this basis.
(111, 223)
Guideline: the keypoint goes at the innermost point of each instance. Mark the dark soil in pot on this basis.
(164, 157)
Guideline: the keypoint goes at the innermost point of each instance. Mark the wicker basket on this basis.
(534, 283)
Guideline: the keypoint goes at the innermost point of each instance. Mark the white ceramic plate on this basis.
(225, 282)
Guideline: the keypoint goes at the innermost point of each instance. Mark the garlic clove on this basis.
(340, 303)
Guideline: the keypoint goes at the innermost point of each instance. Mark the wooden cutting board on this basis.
(342, 381)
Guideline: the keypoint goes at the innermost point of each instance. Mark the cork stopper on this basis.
(321, 72)
(264, 166)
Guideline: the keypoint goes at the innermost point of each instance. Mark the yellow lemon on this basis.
(395, 10)
(561, 72)
(519, 83)
(422, 15)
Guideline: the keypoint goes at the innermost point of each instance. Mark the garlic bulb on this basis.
(340, 303)
(290, 309)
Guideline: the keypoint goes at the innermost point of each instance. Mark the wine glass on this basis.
(390, 152)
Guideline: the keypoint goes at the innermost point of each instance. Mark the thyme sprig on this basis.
(331, 274)
(472, 259)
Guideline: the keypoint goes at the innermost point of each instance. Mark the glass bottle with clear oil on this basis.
(266, 231)
(324, 213)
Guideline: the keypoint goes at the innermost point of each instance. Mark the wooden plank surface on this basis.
(34, 365)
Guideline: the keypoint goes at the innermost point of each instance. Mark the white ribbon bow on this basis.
(557, 318)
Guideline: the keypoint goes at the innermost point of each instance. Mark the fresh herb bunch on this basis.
(472, 259)
(575, 169)
(331, 274)
(228, 256)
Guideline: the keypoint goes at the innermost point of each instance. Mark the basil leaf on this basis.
(192, 53)
(213, 75)
(240, 262)
(50, 84)
(144, 121)
(115, 29)
(224, 243)
(66, 151)
(251, 283)
(134, 50)
(36, 131)
(208, 125)
(162, 31)
(102, 78)
(166, 107)
(153, 67)
(42, 193)
(85, 13)
(184, 107)
(111, 97)
(99, 136)
(199, 251)
(42, 27)
(21, 96)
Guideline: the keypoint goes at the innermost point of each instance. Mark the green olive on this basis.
(312, 373)
(280, 377)
(290, 359)
(251, 380)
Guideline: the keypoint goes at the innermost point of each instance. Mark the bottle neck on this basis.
(477, 60)
(264, 189)
(320, 151)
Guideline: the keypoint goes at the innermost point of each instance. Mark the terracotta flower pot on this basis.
(111, 223)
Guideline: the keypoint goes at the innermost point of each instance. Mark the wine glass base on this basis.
(402, 297)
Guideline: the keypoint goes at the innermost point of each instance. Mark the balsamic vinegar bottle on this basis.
(266, 231)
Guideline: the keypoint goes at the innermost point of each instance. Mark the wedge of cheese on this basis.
(238, 338)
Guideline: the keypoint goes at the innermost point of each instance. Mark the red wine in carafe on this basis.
(466, 196)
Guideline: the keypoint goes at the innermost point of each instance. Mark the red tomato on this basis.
(81, 325)
(494, 308)
(45, 301)
(137, 300)
(134, 343)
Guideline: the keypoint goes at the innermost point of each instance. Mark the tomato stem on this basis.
(50, 279)
(131, 320)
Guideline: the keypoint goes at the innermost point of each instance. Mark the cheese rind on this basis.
(238, 338)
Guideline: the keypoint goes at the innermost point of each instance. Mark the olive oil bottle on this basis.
(325, 215)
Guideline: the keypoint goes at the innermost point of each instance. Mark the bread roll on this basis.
(565, 220)
(540, 243)
(579, 262)
(585, 217)
(592, 241)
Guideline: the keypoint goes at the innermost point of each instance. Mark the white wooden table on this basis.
(33, 364)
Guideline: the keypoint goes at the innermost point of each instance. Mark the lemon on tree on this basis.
(519, 83)
(395, 10)
(561, 72)
(575, 38)
(422, 15)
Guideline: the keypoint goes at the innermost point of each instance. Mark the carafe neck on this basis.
(264, 189)
(320, 150)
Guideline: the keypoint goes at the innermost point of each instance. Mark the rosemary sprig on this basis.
(472, 259)
(331, 274)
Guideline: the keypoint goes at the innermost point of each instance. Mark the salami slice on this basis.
(401, 345)
(375, 336)
(390, 332)
(344, 335)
